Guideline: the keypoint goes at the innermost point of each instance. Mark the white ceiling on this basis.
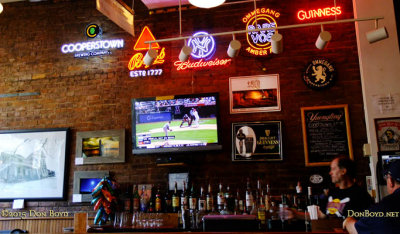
(154, 4)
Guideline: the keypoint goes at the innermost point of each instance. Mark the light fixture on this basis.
(185, 53)
(206, 3)
(150, 56)
(277, 43)
(1, 7)
(323, 39)
(234, 48)
(377, 34)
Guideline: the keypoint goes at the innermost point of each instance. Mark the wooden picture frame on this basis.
(98, 147)
(326, 134)
(34, 163)
(257, 141)
(81, 178)
(248, 94)
(388, 134)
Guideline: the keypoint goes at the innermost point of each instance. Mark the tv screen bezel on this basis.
(212, 147)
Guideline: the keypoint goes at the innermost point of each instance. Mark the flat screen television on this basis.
(176, 124)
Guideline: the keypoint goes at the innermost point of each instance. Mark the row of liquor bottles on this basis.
(224, 202)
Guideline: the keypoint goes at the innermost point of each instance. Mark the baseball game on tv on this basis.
(175, 123)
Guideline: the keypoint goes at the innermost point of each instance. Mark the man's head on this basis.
(342, 169)
(389, 133)
(392, 176)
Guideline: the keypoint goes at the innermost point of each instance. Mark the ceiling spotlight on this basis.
(185, 53)
(206, 3)
(1, 7)
(323, 39)
(150, 56)
(234, 48)
(377, 35)
(277, 43)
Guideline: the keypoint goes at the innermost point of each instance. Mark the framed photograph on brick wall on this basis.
(388, 133)
(257, 141)
(249, 94)
(33, 164)
(98, 147)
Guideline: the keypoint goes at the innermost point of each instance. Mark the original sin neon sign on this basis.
(319, 13)
(260, 42)
(136, 66)
(203, 49)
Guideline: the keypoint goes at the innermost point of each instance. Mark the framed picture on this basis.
(97, 147)
(326, 134)
(388, 133)
(179, 178)
(84, 183)
(254, 94)
(257, 141)
(33, 164)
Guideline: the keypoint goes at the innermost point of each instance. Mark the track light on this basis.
(323, 39)
(185, 53)
(206, 3)
(234, 48)
(377, 34)
(150, 56)
(277, 43)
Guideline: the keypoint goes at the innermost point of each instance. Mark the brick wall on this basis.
(95, 93)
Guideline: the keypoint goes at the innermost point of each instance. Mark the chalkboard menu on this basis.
(326, 134)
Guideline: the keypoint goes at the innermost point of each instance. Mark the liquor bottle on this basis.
(143, 200)
(267, 197)
(220, 198)
(300, 199)
(202, 201)
(229, 200)
(184, 197)
(309, 202)
(158, 201)
(209, 199)
(261, 214)
(167, 205)
(136, 199)
(192, 199)
(283, 213)
(239, 204)
(249, 198)
(185, 218)
(175, 199)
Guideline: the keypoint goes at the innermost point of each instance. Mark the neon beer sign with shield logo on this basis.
(260, 41)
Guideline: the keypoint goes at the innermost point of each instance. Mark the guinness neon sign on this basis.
(260, 42)
(318, 13)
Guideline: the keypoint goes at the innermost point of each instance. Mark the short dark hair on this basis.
(349, 165)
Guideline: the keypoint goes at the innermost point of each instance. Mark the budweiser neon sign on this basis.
(201, 64)
(319, 13)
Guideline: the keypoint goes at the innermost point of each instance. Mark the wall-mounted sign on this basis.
(319, 13)
(319, 74)
(92, 48)
(203, 49)
(260, 42)
(136, 62)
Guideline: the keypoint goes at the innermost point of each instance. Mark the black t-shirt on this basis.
(341, 202)
(383, 217)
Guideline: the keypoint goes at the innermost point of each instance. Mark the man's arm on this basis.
(348, 224)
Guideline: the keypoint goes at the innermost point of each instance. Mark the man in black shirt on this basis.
(383, 217)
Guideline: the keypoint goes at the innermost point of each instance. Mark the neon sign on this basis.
(201, 64)
(136, 61)
(260, 41)
(319, 13)
(92, 48)
(203, 47)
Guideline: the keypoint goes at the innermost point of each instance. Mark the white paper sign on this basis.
(78, 161)
(76, 197)
(386, 103)
(18, 204)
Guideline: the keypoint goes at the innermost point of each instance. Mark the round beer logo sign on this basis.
(319, 74)
(92, 30)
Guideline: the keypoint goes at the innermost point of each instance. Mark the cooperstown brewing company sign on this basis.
(260, 42)
(91, 48)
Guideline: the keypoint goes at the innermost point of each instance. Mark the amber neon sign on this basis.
(136, 61)
(260, 42)
(319, 13)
